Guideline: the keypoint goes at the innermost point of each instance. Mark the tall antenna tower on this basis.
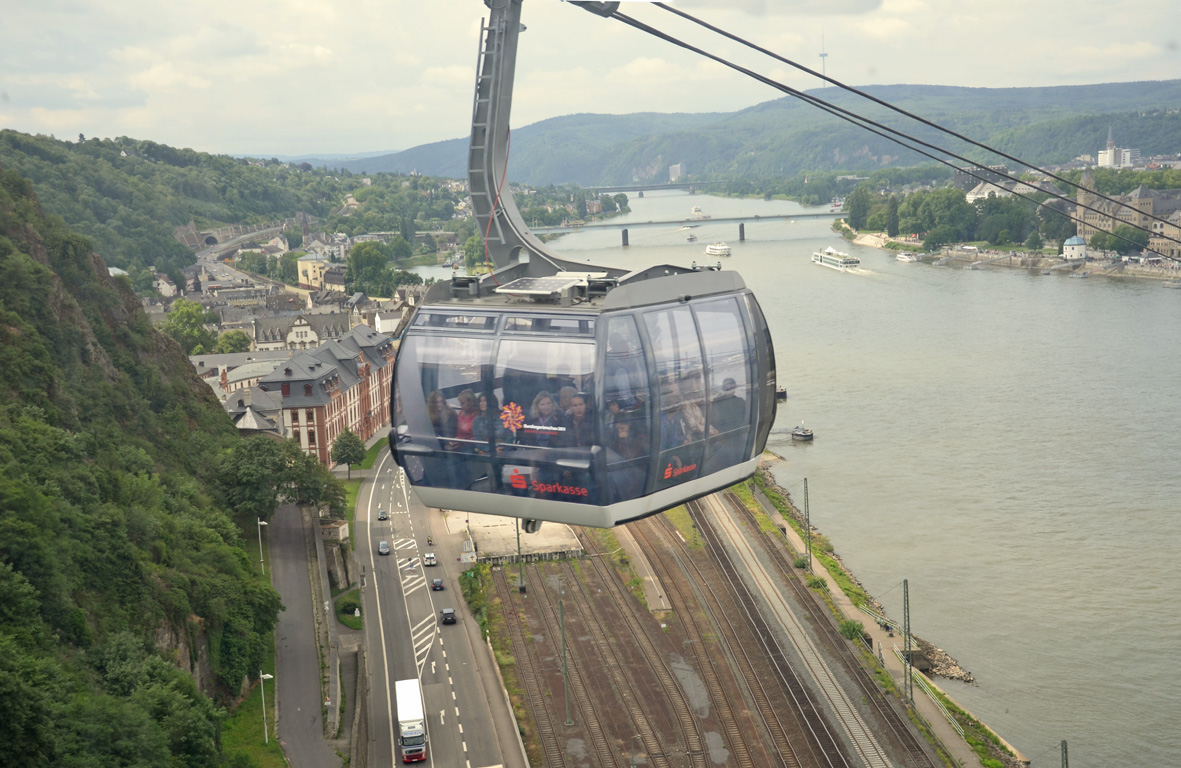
(823, 57)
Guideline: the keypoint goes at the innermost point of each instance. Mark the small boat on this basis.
(834, 259)
(907, 257)
(696, 215)
(692, 238)
(1172, 283)
(801, 434)
(717, 249)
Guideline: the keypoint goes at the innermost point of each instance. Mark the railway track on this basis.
(824, 746)
(547, 735)
(638, 623)
(727, 712)
(892, 721)
(592, 724)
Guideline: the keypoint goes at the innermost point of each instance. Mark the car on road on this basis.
(429, 559)
(436, 585)
(383, 515)
(383, 548)
(448, 615)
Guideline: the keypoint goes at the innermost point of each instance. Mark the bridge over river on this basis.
(610, 224)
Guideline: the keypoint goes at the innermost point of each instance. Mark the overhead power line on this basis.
(900, 137)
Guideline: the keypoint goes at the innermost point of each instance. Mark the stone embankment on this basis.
(942, 663)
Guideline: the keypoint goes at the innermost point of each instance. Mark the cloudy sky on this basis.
(297, 77)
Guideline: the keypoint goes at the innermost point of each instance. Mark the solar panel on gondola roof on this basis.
(539, 286)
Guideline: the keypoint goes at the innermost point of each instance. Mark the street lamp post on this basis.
(263, 687)
(261, 565)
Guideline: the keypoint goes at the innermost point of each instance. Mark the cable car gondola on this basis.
(550, 391)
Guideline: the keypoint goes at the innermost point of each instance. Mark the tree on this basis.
(186, 323)
(621, 202)
(1034, 242)
(233, 341)
(1127, 238)
(473, 251)
(858, 204)
(348, 449)
(293, 237)
(892, 216)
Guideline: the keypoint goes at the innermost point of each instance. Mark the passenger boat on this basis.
(834, 259)
(717, 249)
(801, 434)
(692, 238)
(696, 214)
(907, 257)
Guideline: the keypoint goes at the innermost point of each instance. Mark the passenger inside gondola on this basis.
(627, 452)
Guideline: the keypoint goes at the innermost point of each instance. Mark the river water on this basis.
(1007, 442)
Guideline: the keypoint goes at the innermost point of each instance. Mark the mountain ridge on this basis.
(615, 149)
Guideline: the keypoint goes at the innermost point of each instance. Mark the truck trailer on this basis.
(412, 737)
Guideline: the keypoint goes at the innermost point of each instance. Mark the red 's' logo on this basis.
(517, 480)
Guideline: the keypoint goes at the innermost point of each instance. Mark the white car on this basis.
(429, 559)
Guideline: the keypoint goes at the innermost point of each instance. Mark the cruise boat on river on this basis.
(909, 258)
(695, 214)
(834, 259)
(717, 249)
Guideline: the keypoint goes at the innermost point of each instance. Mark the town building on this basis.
(1074, 249)
(343, 384)
(1117, 157)
(1140, 208)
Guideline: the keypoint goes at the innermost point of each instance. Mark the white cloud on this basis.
(166, 77)
(228, 76)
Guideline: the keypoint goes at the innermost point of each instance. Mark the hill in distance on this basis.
(786, 136)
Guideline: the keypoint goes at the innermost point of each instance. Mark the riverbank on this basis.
(938, 707)
(942, 663)
(1028, 260)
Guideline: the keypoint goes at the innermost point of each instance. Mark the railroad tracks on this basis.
(891, 721)
(772, 697)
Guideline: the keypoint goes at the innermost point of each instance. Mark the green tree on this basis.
(348, 449)
(1127, 238)
(233, 341)
(1034, 242)
(892, 216)
(294, 238)
(186, 323)
(858, 205)
(1101, 241)
(473, 251)
(621, 202)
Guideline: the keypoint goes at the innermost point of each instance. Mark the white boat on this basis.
(692, 238)
(801, 433)
(907, 257)
(834, 259)
(717, 249)
(696, 215)
(1172, 283)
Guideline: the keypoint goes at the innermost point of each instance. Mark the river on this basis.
(1005, 441)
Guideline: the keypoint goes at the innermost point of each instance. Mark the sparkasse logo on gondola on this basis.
(565, 490)
(669, 472)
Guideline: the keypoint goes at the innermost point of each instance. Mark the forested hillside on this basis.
(786, 136)
(128, 195)
(130, 609)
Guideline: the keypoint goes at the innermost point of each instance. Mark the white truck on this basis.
(411, 721)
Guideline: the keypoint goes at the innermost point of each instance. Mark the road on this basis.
(405, 639)
(297, 661)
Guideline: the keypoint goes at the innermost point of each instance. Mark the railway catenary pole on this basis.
(807, 527)
(909, 686)
(565, 672)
